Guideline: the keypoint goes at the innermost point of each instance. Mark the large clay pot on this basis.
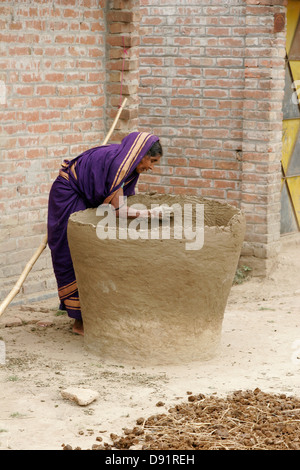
(156, 301)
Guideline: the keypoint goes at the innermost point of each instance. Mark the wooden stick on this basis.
(17, 287)
(115, 122)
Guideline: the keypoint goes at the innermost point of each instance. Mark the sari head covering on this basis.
(89, 180)
(100, 172)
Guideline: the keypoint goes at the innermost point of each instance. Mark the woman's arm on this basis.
(122, 210)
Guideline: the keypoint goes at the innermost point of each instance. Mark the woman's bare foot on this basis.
(78, 327)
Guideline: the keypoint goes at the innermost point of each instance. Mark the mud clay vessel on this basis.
(156, 301)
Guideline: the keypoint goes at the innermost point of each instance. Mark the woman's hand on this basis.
(119, 204)
(122, 210)
(162, 212)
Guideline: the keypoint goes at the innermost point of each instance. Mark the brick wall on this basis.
(52, 70)
(122, 66)
(190, 57)
(262, 130)
(211, 85)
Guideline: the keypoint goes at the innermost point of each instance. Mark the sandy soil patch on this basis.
(259, 355)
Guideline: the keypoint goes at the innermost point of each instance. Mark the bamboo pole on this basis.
(115, 122)
(17, 287)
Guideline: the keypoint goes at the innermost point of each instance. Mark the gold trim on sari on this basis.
(67, 290)
(73, 303)
(64, 174)
(65, 169)
(130, 158)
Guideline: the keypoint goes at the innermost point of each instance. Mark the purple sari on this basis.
(89, 180)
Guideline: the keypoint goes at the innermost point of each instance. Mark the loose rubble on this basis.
(81, 396)
(245, 420)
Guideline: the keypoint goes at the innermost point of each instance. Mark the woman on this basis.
(100, 175)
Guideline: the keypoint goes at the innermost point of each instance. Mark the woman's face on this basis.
(147, 163)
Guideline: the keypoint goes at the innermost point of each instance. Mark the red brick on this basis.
(214, 193)
(60, 126)
(24, 90)
(180, 171)
(50, 139)
(39, 128)
(213, 174)
(67, 90)
(55, 77)
(186, 191)
(35, 153)
(199, 183)
(58, 102)
(50, 114)
(44, 90)
(177, 161)
(123, 16)
(225, 184)
(13, 128)
(131, 40)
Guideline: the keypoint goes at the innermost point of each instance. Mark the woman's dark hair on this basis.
(156, 149)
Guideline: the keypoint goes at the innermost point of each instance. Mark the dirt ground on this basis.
(247, 397)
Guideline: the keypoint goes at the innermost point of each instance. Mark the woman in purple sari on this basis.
(100, 175)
